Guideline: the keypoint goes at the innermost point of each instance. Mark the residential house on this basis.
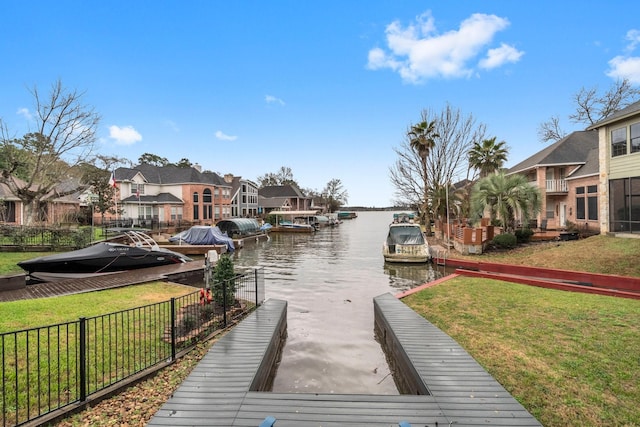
(619, 158)
(566, 173)
(62, 205)
(244, 197)
(147, 193)
(283, 197)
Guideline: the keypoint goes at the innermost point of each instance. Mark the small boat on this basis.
(293, 221)
(204, 235)
(130, 251)
(406, 243)
(347, 215)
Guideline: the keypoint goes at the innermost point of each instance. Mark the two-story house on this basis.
(283, 197)
(148, 193)
(244, 197)
(566, 173)
(619, 158)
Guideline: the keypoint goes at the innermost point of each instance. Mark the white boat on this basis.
(406, 243)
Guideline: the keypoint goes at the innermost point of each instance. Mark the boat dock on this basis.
(441, 383)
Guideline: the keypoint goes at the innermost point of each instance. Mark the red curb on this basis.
(426, 285)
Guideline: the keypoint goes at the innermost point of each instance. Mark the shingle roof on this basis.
(160, 198)
(170, 175)
(573, 149)
(281, 191)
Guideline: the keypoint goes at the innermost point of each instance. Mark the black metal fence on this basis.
(20, 237)
(49, 368)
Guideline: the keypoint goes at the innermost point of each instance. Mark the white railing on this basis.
(557, 186)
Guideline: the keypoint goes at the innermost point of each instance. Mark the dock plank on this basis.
(222, 389)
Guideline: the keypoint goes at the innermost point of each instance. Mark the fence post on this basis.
(255, 281)
(173, 328)
(83, 359)
(224, 302)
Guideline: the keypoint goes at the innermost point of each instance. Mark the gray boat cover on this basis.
(204, 235)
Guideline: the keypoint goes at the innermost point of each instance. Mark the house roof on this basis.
(170, 175)
(166, 198)
(290, 191)
(574, 149)
(628, 111)
(273, 202)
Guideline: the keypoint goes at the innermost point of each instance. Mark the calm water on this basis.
(329, 279)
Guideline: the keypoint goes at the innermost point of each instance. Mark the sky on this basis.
(325, 88)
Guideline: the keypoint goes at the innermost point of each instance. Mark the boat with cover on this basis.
(129, 251)
(406, 243)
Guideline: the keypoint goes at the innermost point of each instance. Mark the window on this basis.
(137, 187)
(206, 196)
(196, 212)
(635, 138)
(7, 211)
(176, 213)
(195, 197)
(624, 205)
(580, 203)
(592, 202)
(551, 210)
(618, 142)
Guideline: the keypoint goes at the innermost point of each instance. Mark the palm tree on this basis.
(506, 197)
(488, 156)
(422, 139)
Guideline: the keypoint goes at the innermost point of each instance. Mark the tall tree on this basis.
(64, 136)
(334, 195)
(153, 159)
(488, 156)
(96, 176)
(284, 176)
(591, 107)
(446, 162)
(506, 197)
(422, 138)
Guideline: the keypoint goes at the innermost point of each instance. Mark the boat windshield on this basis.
(405, 236)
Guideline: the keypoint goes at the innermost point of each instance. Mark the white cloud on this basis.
(24, 112)
(273, 100)
(634, 38)
(622, 67)
(124, 135)
(500, 56)
(418, 52)
(223, 137)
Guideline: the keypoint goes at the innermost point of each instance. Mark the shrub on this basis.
(505, 241)
(523, 235)
(223, 281)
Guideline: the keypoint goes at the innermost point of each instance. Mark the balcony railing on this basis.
(557, 186)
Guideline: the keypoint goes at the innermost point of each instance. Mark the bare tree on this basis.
(284, 176)
(447, 161)
(64, 135)
(592, 107)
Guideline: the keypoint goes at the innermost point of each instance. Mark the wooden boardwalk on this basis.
(229, 387)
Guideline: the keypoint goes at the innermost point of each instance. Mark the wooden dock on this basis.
(229, 387)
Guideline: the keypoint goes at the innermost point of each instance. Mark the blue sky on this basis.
(327, 88)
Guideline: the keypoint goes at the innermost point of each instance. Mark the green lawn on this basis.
(569, 358)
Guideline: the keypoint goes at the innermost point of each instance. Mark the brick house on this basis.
(148, 193)
(567, 175)
(619, 179)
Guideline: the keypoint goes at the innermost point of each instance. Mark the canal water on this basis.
(329, 279)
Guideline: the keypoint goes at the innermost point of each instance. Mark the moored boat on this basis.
(140, 251)
(406, 243)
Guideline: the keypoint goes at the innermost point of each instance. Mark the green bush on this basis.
(223, 281)
(505, 241)
(523, 235)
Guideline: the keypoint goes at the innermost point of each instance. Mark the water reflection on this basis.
(329, 280)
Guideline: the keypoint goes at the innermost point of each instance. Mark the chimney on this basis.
(197, 167)
(228, 178)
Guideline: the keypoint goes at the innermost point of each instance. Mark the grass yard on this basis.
(32, 313)
(569, 358)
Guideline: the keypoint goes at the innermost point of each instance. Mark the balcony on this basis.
(557, 186)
